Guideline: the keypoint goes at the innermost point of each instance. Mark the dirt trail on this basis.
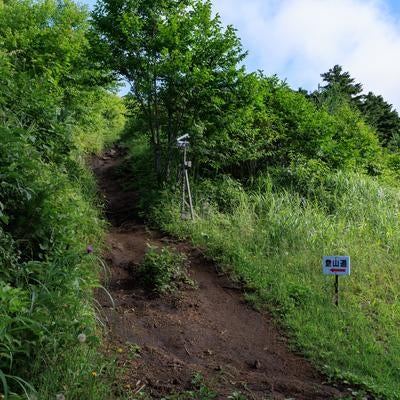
(208, 330)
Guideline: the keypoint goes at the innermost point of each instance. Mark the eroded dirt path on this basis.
(209, 330)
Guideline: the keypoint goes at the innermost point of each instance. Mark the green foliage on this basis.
(183, 67)
(341, 140)
(342, 89)
(48, 273)
(53, 110)
(163, 270)
(303, 158)
(381, 115)
(51, 85)
(393, 161)
(279, 128)
(281, 178)
(139, 170)
(101, 121)
(341, 83)
(180, 62)
(223, 192)
(79, 373)
(134, 351)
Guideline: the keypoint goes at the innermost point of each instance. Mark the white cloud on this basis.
(300, 39)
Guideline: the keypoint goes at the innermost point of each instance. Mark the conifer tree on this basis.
(341, 82)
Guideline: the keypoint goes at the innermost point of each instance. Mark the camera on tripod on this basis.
(182, 142)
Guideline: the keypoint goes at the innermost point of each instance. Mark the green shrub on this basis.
(163, 270)
(223, 192)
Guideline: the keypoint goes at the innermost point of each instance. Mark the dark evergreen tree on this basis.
(341, 83)
(381, 115)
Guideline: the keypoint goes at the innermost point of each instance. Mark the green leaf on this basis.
(4, 382)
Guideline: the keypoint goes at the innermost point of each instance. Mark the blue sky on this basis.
(300, 39)
(394, 6)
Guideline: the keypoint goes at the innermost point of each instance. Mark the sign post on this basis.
(336, 265)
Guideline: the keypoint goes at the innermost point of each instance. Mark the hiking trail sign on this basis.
(336, 265)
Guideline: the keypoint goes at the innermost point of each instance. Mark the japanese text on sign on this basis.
(336, 265)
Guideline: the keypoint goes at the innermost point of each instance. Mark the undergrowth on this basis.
(55, 109)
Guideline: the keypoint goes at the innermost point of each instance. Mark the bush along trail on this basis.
(189, 334)
(55, 108)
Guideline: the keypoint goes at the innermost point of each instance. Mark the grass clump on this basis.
(163, 270)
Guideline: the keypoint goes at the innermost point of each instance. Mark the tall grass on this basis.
(274, 239)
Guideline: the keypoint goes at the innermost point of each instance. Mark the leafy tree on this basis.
(305, 131)
(341, 88)
(48, 50)
(179, 61)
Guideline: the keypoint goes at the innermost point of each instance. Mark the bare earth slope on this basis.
(207, 330)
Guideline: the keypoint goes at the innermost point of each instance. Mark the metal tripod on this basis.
(187, 204)
(187, 212)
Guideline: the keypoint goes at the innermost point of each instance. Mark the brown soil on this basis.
(208, 330)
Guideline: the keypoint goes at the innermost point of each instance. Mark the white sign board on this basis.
(336, 265)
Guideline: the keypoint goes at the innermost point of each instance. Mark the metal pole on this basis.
(183, 144)
(183, 183)
(336, 290)
(190, 194)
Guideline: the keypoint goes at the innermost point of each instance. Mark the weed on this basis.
(163, 270)
(199, 391)
(237, 396)
(134, 351)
